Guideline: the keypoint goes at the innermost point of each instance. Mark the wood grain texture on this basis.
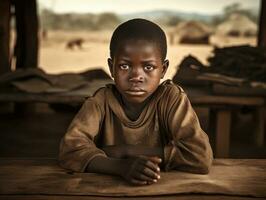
(164, 197)
(45, 177)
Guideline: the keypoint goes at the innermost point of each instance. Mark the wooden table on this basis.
(221, 108)
(44, 179)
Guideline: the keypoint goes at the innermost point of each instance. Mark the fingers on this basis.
(142, 170)
(150, 173)
(138, 182)
(154, 167)
(144, 173)
(155, 159)
(143, 177)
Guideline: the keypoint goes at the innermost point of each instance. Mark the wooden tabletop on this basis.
(43, 177)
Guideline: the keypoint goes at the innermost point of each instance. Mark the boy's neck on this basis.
(133, 110)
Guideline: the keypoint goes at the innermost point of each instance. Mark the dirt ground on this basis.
(56, 58)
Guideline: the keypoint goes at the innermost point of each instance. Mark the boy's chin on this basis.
(136, 100)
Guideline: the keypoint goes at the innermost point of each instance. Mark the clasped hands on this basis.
(140, 164)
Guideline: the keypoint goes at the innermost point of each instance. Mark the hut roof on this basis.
(237, 24)
(193, 29)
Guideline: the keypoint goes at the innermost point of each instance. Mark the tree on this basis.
(228, 10)
(173, 20)
(107, 20)
(234, 8)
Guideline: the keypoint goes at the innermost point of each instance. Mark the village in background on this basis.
(73, 42)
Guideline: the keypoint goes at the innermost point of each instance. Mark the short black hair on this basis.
(139, 29)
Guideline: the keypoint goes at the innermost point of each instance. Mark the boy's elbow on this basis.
(204, 169)
(200, 168)
(69, 164)
(205, 164)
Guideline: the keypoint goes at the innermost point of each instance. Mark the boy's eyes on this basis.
(146, 67)
(124, 66)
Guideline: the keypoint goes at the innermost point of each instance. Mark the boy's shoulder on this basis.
(171, 95)
(102, 94)
(169, 88)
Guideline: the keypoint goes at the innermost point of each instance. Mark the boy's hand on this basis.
(141, 170)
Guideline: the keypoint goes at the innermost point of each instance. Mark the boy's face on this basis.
(137, 68)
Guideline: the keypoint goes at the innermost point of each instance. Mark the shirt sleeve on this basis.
(187, 146)
(77, 147)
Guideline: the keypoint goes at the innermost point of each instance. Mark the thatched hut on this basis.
(237, 25)
(193, 32)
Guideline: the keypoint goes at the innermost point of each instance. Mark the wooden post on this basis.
(26, 48)
(212, 125)
(259, 126)
(223, 126)
(4, 36)
(262, 25)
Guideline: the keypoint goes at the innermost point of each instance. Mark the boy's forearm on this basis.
(146, 151)
(121, 151)
(106, 165)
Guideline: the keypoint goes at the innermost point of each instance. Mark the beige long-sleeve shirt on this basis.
(168, 121)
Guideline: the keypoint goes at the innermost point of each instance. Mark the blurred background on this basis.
(93, 22)
(53, 53)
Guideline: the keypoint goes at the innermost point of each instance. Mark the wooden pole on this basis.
(26, 49)
(262, 25)
(4, 36)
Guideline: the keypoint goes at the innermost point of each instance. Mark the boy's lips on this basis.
(135, 92)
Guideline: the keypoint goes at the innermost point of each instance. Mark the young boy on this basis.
(137, 126)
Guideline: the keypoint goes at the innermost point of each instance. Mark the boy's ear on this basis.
(110, 65)
(165, 67)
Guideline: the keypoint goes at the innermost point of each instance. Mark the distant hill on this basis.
(160, 14)
(92, 21)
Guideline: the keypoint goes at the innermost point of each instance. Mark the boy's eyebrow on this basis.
(143, 61)
(148, 60)
(125, 59)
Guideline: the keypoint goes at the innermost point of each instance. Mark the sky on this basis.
(131, 6)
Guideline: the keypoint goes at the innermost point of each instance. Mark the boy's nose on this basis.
(136, 75)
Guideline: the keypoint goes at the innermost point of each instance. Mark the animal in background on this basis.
(77, 42)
